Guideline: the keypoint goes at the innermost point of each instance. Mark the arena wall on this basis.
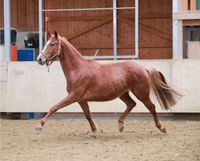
(29, 87)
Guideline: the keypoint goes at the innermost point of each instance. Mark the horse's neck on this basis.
(70, 57)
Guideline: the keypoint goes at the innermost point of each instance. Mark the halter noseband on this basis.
(49, 61)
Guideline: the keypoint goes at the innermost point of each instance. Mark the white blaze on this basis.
(41, 56)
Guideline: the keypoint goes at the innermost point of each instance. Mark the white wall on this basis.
(30, 88)
(3, 84)
(194, 49)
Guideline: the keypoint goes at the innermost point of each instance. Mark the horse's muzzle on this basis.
(40, 61)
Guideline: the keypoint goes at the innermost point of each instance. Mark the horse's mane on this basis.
(70, 46)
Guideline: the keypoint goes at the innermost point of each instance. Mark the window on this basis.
(197, 4)
(190, 34)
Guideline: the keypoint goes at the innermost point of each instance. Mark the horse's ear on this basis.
(56, 34)
(48, 35)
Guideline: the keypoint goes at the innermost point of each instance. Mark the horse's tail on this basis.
(166, 95)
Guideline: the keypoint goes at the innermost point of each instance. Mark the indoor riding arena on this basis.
(113, 80)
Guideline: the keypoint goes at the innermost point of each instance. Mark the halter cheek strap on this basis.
(51, 60)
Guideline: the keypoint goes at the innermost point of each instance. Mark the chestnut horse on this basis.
(89, 80)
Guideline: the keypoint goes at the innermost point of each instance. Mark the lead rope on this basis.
(47, 65)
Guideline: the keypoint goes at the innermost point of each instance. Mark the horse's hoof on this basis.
(121, 127)
(93, 135)
(38, 129)
(163, 130)
(43, 121)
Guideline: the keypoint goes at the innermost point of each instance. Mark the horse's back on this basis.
(126, 72)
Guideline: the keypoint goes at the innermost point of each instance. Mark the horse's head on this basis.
(51, 50)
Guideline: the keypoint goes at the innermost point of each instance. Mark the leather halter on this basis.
(49, 61)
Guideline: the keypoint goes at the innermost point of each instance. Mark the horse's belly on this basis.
(104, 94)
(99, 97)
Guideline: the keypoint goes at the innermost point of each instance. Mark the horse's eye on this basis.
(51, 44)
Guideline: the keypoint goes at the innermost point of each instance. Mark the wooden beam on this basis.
(158, 15)
(102, 17)
(156, 32)
(147, 28)
(90, 28)
(78, 18)
(191, 22)
(121, 47)
(1, 14)
(86, 45)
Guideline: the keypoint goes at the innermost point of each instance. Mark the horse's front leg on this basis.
(71, 98)
(86, 110)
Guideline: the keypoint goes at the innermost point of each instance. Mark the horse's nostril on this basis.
(40, 61)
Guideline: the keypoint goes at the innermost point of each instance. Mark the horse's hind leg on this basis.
(151, 107)
(142, 94)
(130, 104)
(86, 110)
